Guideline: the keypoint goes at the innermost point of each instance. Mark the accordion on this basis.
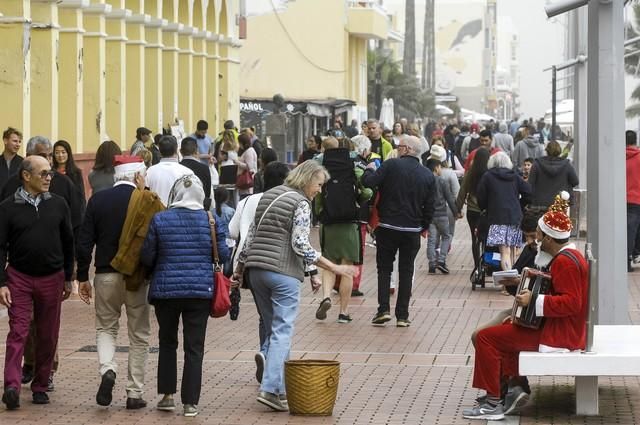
(538, 283)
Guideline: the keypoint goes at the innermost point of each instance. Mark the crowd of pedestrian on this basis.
(154, 214)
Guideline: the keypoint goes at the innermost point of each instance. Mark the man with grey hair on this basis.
(102, 227)
(36, 245)
(405, 211)
(60, 185)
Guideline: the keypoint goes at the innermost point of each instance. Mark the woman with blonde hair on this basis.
(277, 255)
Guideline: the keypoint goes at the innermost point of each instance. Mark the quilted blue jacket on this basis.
(178, 251)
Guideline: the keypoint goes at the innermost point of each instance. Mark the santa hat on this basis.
(555, 221)
(124, 164)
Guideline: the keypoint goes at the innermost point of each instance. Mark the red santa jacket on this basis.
(566, 305)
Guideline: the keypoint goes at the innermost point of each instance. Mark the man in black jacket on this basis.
(10, 161)
(102, 226)
(60, 185)
(406, 205)
(37, 240)
(189, 151)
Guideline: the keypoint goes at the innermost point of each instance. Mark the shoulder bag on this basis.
(221, 302)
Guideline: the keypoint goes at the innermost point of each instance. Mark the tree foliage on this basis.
(632, 62)
(409, 99)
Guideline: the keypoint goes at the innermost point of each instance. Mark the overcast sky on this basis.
(541, 45)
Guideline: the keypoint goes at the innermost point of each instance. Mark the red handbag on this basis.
(221, 302)
(245, 180)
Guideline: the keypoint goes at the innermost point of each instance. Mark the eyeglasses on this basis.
(46, 173)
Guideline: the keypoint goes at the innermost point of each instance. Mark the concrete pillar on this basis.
(44, 69)
(185, 77)
(136, 73)
(170, 72)
(15, 73)
(153, 114)
(605, 124)
(71, 75)
(213, 84)
(94, 96)
(224, 81)
(200, 83)
(116, 78)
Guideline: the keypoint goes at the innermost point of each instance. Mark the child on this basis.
(439, 227)
(526, 168)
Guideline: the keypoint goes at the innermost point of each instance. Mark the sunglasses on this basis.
(46, 173)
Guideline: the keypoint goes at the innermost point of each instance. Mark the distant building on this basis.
(508, 70)
(313, 53)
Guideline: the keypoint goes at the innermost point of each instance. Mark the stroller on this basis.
(488, 260)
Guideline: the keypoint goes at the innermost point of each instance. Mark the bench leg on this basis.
(587, 395)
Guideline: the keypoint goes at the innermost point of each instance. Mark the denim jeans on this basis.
(438, 230)
(278, 298)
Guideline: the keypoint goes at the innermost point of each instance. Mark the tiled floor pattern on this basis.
(418, 375)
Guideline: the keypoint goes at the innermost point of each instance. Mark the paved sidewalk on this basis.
(389, 375)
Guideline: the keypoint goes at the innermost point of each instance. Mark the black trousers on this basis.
(388, 243)
(195, 315)
(472, 219)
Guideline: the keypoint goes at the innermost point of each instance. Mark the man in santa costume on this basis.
(564, 308)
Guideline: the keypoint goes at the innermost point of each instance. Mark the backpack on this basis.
(340, 192)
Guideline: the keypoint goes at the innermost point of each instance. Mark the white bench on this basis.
(616, 352)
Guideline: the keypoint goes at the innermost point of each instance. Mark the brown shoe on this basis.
(135, 403)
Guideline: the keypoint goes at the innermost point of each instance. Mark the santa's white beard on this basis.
(542, 258)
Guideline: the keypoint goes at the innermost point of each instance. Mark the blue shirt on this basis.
(204, 146)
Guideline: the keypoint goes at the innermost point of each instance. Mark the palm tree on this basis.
(409, 54)
(632, 62)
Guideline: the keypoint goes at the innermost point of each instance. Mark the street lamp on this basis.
(562, 6)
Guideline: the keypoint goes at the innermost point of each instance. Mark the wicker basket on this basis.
(312, 386)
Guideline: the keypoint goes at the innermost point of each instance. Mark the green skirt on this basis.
(341, 241)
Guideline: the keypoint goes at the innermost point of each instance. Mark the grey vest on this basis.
(271, 246)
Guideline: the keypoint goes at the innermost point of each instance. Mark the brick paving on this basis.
(416, 375)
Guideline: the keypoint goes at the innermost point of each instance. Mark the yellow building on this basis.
(92, 70)
(313, 53)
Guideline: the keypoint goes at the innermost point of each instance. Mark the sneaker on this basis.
(190, 410)
(515, 399)
(40, 397)
(485, 412)
(403, 323)
(344, 318)
(260, 361)
(273, 401)
(321, 312)
(11, 398)
(443, 268)
(357, 293)
(27, 374)
(381, 318)
(432, 270)
(166, 404)
(50, 385)
(104, 396)
(135, 403)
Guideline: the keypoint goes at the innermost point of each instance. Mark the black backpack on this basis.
(340, 192)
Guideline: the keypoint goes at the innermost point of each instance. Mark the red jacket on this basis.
(633, 175)
(566, 305)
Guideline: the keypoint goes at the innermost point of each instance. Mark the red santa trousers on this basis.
(497, 350)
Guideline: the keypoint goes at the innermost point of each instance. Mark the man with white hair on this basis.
(103, 224)
(406, 206)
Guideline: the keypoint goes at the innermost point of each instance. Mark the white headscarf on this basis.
(187, 193)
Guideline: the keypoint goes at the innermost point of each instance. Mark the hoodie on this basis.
(503, 140)
(498, 193)
(633, 175)
(548, 176)
(530, 147)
